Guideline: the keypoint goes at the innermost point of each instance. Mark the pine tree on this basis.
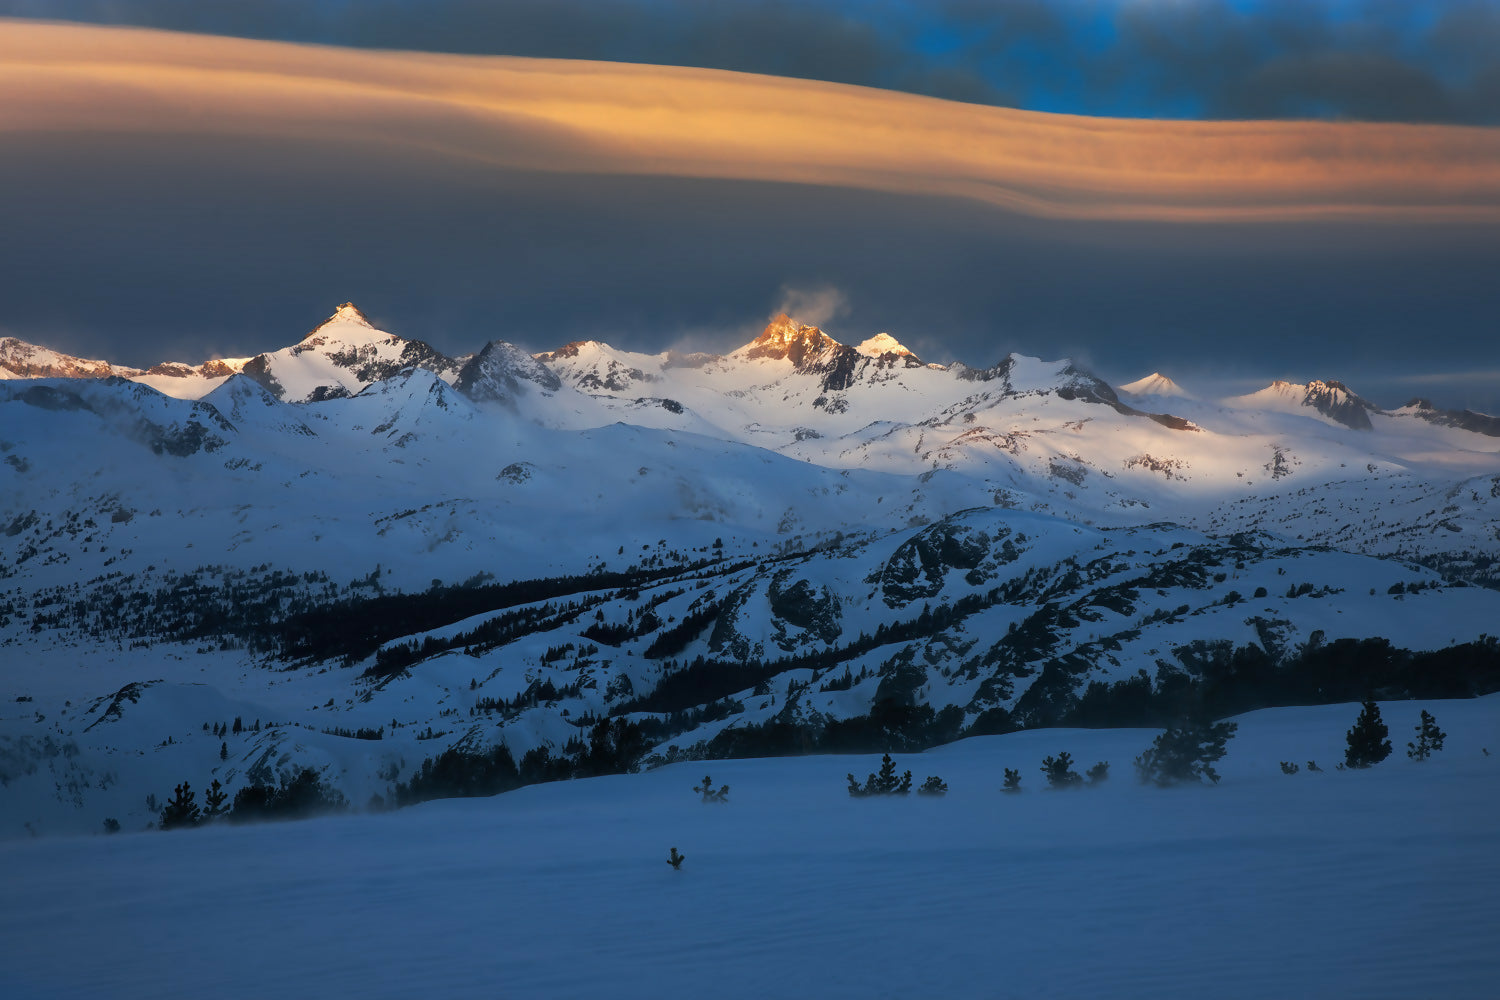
(933, 786)
(1099, 773)
(1059, 771)
(1429, 738)
(1367, 739)
(1012, 780)
(1185, 752)
(708, 793)
(884, 783)
(181, 809)
(214, 799)
(675, 860)
(224, 751)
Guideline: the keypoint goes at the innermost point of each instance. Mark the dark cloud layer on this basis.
(1383, 60)
(189, 245)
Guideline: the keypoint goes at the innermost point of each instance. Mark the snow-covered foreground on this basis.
(1372, 884)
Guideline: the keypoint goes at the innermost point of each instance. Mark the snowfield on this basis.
(1375, 883)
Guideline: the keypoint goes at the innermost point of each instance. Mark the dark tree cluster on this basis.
(458, 773)
(298, 797)
(887, 782)
(1185, 753)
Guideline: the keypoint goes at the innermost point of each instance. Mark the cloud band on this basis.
(612, 118)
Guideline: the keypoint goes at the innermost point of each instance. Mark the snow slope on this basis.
(1377, 884)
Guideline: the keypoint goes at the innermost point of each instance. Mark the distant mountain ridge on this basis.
(345, 353)
(387, 553)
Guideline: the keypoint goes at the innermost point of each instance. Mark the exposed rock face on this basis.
(25, 360)
(798, 343)
(806, 606)
(503, 371)
(918, 569)
(1337, 402)
(1468, 420)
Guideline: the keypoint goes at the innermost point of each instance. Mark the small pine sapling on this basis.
(1287, 767)
(1367, 738)
(933, 786)
(1099, 773)
(1059, 771)
(1012, 780)
(111, 825)
(1312, 765)
(1429, 738)
(707, 791)
(675, 860)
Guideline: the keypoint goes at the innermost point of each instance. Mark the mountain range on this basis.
(358, 533)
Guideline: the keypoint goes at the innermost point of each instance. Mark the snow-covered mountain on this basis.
(1156, 384)
(19, 359)
(509, 547)
(1333, 400)
(342, 356)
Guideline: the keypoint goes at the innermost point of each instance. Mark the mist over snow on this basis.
(1373, 883)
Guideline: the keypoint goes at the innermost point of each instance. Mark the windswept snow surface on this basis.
(1373, 884)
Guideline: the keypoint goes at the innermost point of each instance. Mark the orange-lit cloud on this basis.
(586, 117)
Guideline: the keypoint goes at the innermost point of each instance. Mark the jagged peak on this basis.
(1330, 397)
(785, 337)
(497, 372)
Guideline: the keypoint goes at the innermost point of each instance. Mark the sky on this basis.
(1227, 192)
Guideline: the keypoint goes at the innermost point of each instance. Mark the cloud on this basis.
(814, 306)
(602, 118)
(1379, 60)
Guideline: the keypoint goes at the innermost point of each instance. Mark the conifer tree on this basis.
(1012, 780)
(214, 799)
(884, 783)
(1185, 752)
(1059, 771)
(707, 791)
(1429, 738)
(1367, 739)
(1099, 773)
(933, 786)
(181, 809)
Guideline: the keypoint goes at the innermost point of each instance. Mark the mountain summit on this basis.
(786, 338)
(1332, 399)
(346, 313)
(882, 344)
(1156, 384)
